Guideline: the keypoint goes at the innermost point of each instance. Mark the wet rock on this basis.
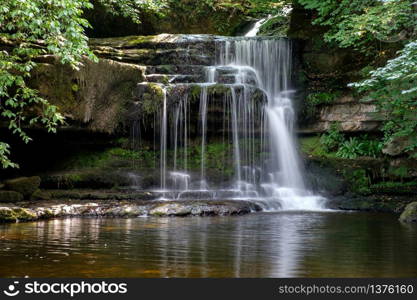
(24, 214)
(204, 208)
(14, 214)
(10, 196)
(324, 179)
(97, 95)
(397, 146)
(409, 214)
(7, 215)
(40, 195)
(24, 185)
(171, 209)
(31, 211)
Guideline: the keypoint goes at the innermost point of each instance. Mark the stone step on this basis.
(176, 69)
(174, 78)
(156, 57)
(162, 41)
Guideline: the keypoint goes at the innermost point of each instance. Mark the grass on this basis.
(313, 147)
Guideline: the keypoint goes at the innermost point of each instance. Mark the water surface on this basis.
(295, 244)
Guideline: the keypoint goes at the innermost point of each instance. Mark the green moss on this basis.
(10, 196)
(218, 89)
(322, 98)
(395, 187)
(75, 87)
(312, 146)
(124, 153)
(169, 69)
(24, 185)
(7, 215)
(23, 214)
(359, 180)
(409, 214)
(152, 99)
(316, 99)
(398, 171)
(195, 92)
(87, 159)
(40, 195)
(395, 184)
(137, 40)
(277, 26)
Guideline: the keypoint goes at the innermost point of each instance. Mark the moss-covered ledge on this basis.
(97, 95)
(41, 210)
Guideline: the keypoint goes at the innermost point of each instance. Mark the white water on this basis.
(271, 62)
(275, 182)
(255, 27)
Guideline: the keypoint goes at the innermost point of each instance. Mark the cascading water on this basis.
(244, 67)
(271, 62)
(257, 26)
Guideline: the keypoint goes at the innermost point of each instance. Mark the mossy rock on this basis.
(10, 196)
(24, 185)
(7, 215)
(409, 214)
(40, 195)
(24, 214)
(10, 215)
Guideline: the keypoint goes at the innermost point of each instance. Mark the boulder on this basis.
(409, 214)
(15, 214)
(24, 185)
(24, 214)
(10, 196)
(7, 215)
(397, 146)
(40, 195)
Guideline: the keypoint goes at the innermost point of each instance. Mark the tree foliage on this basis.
(394, 88)
(133, 8)
(29, 29)
(364, 25)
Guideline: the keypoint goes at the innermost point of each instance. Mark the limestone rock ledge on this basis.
(95, 96)
(351, 115)
(25, 211)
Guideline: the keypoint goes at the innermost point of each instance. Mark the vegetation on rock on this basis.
(374, 28)
(409, 214)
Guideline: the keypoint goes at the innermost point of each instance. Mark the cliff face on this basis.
(324, 75)
(106, 96)
(96, 97)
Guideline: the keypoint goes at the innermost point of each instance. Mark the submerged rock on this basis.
(409, 214)
(24, 185)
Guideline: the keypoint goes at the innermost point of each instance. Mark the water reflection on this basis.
(257, 245)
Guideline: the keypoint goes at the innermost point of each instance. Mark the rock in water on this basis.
(24, 185)
(10, 196)
(7, 215)
(15, 214)
(409, 214)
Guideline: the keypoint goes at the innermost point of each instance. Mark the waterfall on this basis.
(164, 132)
(259, 129)
(271, 63)
(253, 31)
